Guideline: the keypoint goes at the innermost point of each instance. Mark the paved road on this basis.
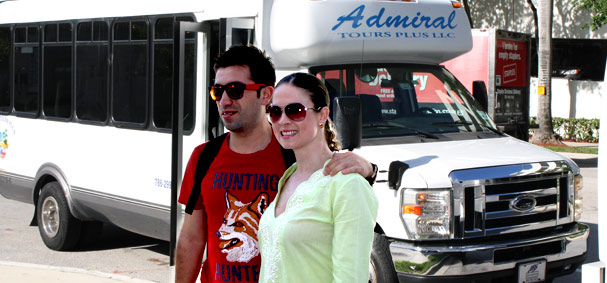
(116, 252)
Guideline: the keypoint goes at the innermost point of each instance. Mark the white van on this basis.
(459, 199)
(85, 118)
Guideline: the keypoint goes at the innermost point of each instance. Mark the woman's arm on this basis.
(354, 212)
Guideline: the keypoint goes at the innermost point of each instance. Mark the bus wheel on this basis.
(58, 228)
(381, 269)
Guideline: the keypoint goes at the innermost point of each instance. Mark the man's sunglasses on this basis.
(234, 90)
(294, 111)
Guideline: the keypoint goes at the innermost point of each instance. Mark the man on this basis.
(242, 179)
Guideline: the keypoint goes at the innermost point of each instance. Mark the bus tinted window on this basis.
(130, 63)
(20, 35)
(32, 34)
(50, 33)
(26, 72)
(92, 72)
(57, 72)
(84, 31)
(65, 32)
(121, 31)
(92, 82)
(163, 76)
(139, 30)
(5, 48)
(58, 81)
(129, 92)
(100, 31)
(164, 28)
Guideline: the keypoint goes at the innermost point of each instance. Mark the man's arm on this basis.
(190, 247)
(349, 162)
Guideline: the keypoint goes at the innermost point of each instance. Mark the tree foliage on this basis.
(599, 10)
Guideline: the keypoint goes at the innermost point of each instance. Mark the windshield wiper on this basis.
(497, 131)
(422, 133)
(419, 132)
(458, 123)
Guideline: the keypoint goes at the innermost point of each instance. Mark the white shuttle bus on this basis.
(85, 116)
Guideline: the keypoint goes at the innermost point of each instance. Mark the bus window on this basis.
(57, 74)
(27, 70)
(92, 51)
(163, 75)
(130, 69)
(5, 48)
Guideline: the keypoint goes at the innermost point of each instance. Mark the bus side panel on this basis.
(16, 187)
(148, 219)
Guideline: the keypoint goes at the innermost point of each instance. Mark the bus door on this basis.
(216, 36)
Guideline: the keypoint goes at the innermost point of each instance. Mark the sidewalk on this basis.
(581, 144)
(11, 272)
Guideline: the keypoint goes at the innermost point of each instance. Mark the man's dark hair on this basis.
(261, 67)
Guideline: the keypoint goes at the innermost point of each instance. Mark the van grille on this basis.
(515, 198)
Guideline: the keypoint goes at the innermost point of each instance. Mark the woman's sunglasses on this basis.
(294, 111)
(234, 90)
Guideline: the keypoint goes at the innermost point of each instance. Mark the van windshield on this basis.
(404, 99)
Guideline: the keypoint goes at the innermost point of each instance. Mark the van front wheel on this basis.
(381, 269)
(59, 229)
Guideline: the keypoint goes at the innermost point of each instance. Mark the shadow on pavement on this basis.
(586, 162)
(113, 237)
(593, 243)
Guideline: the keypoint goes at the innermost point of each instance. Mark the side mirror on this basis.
(479, 92)
(395, 174)
(348, 121)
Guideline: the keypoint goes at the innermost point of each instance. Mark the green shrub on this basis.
(581, 130)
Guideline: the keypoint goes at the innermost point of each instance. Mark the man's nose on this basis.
(225, 99)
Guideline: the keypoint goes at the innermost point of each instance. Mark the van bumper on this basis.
(563, 250)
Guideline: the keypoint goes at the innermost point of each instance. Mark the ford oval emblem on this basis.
(523, 203)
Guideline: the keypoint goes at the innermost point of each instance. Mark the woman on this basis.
(319, 228)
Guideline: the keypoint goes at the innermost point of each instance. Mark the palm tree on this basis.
(544, 134)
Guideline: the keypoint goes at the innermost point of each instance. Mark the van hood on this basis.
(431, 163)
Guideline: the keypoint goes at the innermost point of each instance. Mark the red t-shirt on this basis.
(235, 192)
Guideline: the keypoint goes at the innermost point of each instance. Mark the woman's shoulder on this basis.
(349, 181)
(351, 177)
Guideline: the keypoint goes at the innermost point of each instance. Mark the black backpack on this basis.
(208, 154)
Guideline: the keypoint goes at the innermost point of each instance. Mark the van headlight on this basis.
(427, 214)
(577, 197)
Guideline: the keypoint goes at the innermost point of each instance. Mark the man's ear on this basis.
(266, 95)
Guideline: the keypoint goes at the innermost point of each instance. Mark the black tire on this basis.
(382, 268)
(58, 228)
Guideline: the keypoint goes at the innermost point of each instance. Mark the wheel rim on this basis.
(50, 217)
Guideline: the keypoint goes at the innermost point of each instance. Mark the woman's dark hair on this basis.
(261, 67)
(320, 98)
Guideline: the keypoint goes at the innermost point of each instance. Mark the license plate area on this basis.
(534, 271)
(527, 252)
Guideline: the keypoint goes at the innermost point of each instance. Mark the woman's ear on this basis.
(324, 114)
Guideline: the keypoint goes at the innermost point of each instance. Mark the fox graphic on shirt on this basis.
(238, 234)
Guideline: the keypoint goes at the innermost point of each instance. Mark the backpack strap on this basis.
(208, 154)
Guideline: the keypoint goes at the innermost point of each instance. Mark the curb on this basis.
(41, 269)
